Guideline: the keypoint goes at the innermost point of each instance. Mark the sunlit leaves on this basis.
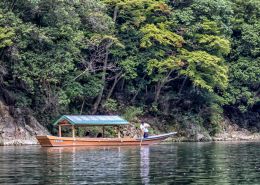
(98, 39)
(161, 34)
(6, 33)
(205, 70)
(163, 66)
(133, 13)
(215, 44)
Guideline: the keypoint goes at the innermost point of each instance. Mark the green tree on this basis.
(243, 92)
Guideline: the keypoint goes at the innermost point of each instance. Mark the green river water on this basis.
(178, 163)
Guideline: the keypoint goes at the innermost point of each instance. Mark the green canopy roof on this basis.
(92, 120)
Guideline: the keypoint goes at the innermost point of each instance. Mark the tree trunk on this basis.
(161, 84)
(158, 91)
(165, 105)
(182, 85)
(12, 5)
(98, 100)
(117, 79)
(139, 89)
(115, 13)
(134, 97)
(82, 106)
(122, 85)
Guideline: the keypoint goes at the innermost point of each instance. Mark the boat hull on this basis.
(54, 141)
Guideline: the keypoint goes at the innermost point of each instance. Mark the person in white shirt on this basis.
(144, 129)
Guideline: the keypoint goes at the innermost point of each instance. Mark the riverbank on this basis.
(234, 136)
(19, 127)
(232, 133)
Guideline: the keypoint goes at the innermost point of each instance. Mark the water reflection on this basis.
(179, 163)
(88, 164)
(144, 164)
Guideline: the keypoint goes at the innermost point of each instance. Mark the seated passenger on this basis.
(87, 134)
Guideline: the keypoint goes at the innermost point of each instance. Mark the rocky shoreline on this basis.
(230, 132)
(19, 127)
(220, 138)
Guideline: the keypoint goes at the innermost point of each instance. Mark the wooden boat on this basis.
(70, 141)
(72, 121)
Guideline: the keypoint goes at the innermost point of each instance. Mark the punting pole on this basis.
(59, 131)
(141, 141)
(73, 131)
(118, 132)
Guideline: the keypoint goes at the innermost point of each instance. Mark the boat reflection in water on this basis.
(107, 164)
(145, 164)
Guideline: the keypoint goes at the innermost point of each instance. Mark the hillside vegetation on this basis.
(184, 63)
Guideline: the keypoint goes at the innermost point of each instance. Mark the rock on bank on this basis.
(18, 126)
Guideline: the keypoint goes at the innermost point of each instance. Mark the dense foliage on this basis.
(186, 61)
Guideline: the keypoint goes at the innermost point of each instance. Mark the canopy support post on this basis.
(103, 134)
(59, 131)
(73, 131)
(118, 132)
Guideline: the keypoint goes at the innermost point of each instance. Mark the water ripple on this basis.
(178, 163)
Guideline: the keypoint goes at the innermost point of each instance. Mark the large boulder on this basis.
(18, 126)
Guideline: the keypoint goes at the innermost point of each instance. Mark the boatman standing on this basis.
(144, 128)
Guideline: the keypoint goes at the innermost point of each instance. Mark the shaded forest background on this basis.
(183, 62)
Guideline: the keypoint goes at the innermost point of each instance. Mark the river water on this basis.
(177, 163)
